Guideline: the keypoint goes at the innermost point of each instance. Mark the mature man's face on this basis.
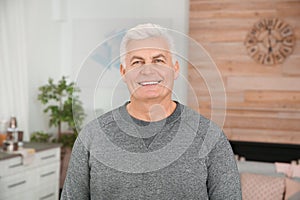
(149, 72)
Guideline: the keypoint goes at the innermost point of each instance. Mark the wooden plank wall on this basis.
(263, 102)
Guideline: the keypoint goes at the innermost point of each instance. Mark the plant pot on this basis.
(65, 158)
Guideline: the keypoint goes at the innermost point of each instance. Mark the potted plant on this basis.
(40, 136)
(62, 104)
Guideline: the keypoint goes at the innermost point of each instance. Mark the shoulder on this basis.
(210, 136)
(96, 127)
(197, 121)
(98, 123)
(207, 133)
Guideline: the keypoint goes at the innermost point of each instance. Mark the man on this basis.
(151, 147)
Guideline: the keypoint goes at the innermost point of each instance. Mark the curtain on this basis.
(13, 64)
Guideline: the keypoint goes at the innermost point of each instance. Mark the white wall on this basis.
(57, 45)
(43, 51)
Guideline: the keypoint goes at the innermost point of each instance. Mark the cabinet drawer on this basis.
(48, 193)
(28, 195)
(17, 183)
(12, 166)
(47, 156)
(49, 174)
(37, 180)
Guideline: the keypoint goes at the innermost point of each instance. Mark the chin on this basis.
(150, 95)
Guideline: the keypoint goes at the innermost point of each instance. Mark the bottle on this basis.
(12, 134)
(12, 124)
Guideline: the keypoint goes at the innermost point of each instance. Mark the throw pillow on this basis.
(292, 190)
(261, 187)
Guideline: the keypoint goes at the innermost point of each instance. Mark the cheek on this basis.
(169, 74)
(130, 77)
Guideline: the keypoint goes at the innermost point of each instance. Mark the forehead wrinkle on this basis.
(146, 53)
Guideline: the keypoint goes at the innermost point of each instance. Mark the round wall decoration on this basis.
(270, 41)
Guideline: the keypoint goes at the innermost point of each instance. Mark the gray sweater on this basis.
(184, 156)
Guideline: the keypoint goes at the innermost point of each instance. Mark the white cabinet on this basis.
(38, 180)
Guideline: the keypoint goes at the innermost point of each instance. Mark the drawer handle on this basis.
(15, 165)
(48, 174)
(16, 184)
(47, 157)
(47, 196)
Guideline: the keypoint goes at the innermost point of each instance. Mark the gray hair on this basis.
(144, 31)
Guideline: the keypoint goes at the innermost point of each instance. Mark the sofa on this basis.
(264, 181)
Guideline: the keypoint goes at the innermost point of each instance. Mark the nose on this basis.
(147, 69)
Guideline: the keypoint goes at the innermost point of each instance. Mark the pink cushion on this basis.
(262, 187)
(292, 189)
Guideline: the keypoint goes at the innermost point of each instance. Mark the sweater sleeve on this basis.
(223, 181)
(76, 185)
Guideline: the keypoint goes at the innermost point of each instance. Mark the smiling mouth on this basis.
(146, 83)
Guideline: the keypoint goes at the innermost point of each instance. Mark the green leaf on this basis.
(61, 103)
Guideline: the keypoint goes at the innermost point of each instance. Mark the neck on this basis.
(151, 111)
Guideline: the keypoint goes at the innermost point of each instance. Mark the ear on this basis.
(176, 69)
(122, 72)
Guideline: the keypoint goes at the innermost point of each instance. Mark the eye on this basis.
(158, 60)
(137, 63)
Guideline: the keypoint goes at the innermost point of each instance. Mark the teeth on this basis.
(149, 83)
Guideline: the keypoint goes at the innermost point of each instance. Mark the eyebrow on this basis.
(158, 56)
(141, 58)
